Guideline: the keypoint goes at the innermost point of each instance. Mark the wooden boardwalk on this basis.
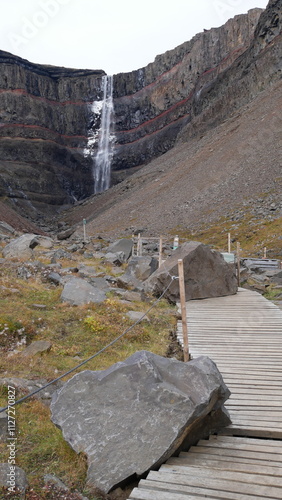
(243, 335)
(221, 468)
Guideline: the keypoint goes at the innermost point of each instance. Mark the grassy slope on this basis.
(76, 333)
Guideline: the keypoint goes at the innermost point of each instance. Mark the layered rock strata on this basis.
(153, 104)
(44, 124)
(46, 113)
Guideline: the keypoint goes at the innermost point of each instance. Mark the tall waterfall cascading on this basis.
(104, 156)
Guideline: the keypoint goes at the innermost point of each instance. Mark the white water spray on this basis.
(104, 156)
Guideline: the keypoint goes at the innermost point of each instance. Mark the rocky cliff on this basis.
(44, 122)
(46, 117)
(153, 104)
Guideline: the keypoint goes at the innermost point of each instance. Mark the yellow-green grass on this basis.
(253, 235)
(76, 333)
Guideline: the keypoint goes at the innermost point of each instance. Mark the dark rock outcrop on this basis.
(44, 123)
(153, 104)
(136, 414)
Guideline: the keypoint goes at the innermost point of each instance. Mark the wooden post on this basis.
(133, 246)
(229, 243)
(160, 251)
(238, 264)
(264, 253)
(84, 230)
(139, 245)
(183, 310)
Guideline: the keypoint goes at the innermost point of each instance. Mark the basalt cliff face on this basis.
(47, 120)
(153, 104)
(44, 123)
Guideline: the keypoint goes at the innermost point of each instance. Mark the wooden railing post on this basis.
(161, 251)
(139, 245)
(84, 230)
(229, 243)
(238, 264)
(183, 310)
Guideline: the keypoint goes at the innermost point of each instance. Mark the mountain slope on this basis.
(201, 179)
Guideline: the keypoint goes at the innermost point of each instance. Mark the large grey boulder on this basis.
(122, 245)
(78, 292)
(21, 248)
(136, 414)
(206, 274)
(138, 270)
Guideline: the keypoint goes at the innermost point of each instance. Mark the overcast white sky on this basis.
(113, 35)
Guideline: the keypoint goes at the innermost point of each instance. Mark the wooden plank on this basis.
(216, 484)
(267, 447)
(253, 430)
(236, 440)
(154, 494)
(231, 465)
(215, 473)
(189, 491)
(238, 453)
(233, 459)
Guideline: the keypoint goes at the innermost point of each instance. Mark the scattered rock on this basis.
(6, 229)
(131, 296)
(73, 248)
(206, 274)
(37, 347)
(137, 315)
(87, 271)
(16, 476)
(21, 248)
(45, 242)
(64, 235)
(138, 270)
(101, 283)
(55, 278)
(60, 254)
(29, 386)
(122, 417)
(50, 479)
(3, 426)
(122, 245)
(78, 292)
(117, 258)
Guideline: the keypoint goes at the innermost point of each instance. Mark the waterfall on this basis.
(104, 156)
